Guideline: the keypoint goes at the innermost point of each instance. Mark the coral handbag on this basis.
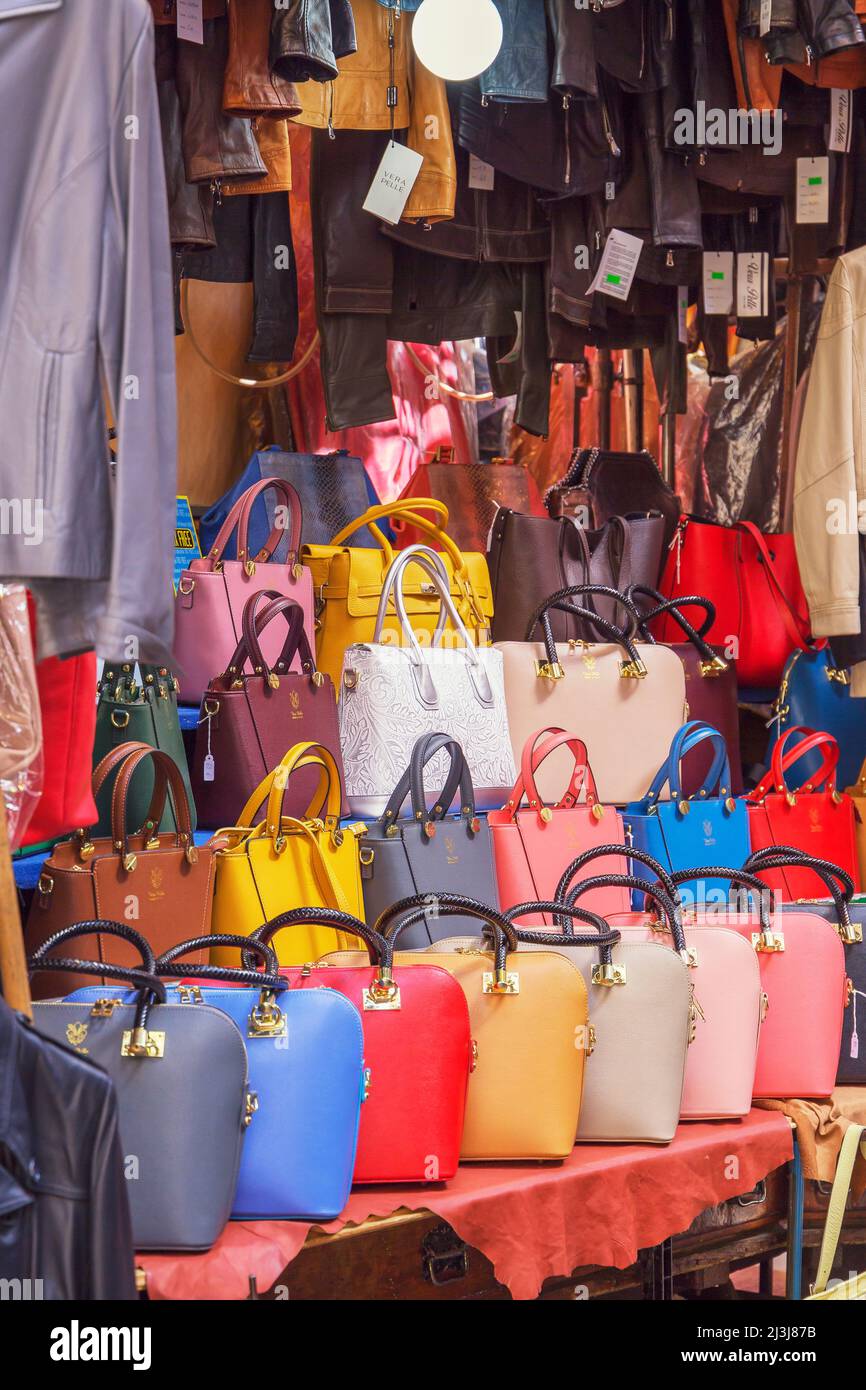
(690, 830)
(811, 815)
(417, 1048)
(287, 861)
(533, 842)
(802, 965)
(349, 581)
(624, 701)
(242, 730)
(212, 592)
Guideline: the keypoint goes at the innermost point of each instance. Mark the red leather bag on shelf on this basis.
(67, 699)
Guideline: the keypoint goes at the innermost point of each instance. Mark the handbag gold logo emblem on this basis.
(451, 850)
(590, 673)
(75, 1036)
(295, 702)
(156, 889)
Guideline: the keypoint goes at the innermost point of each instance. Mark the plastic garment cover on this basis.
(20, 718)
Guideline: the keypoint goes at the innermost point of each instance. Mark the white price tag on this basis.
(481, 175)
(813, 189)
(190, 21)
(208, 768)
(609, 191)
(765, 21)
(682, 309)
(618, 264)
(840, 120)
(718, 280)
(393, 182)
(752, 277)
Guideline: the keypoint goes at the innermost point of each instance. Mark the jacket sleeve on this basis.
(110, 1252)
(829, 459)
(136, 328)
(435, 190)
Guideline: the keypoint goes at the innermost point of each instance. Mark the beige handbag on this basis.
(855, 1286)
(625, 700)
(20, 717)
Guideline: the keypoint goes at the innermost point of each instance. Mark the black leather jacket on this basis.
(309, 36)
(64, 1214)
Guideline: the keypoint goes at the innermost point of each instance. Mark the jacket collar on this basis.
(20, 9)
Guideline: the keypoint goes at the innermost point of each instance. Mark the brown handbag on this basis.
(601, 483)
(473, 493)
(246, 718)
(161, 882)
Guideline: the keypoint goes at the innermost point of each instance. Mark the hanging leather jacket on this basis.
(520, 72)
(249, 86)
(573, 67)
(307, 38)
(216, 144)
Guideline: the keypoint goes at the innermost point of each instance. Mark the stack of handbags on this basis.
(813, 815)
(529, 1025)
(689, 830)
(533, 842)
(725, 991)
(241, 734)
(182, 1083)
(391, 695)
(129, 712)
(161, 876)
(815, 692)
(802, 969)
(265, 868)
(349, 583)
(626, 700)
(848, 918)
(212, 592)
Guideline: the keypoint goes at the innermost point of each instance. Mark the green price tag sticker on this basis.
(613, 279)
(816, 180)
(717, 274)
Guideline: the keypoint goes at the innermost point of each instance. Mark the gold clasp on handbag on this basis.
(250, 1108)
(851, 933)
(608, 975)
(140, 1042)
(85, 844)
(500, 982)
(632, 670)
(714, 667)
(104, 1008)
(838, 674)
(768, 941)
(549, 670)
(267, 1019)
(383, 993)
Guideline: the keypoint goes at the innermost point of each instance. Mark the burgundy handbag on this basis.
(249, 720)
(711, 680)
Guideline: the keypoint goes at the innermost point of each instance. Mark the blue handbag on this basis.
(306, 1065)
(708, 827)
(816, 693)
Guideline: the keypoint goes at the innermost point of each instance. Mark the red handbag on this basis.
(533, 843)
(754, 583)
(813, 816)
(417, 1051)
(67, 700)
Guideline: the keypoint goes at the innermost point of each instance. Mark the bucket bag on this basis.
(533, 841)
(163, 877)
(179, 1072)
(417, 1047)
(212, 592)
(391, 695)
(625, 700)
(129, 712)
(809, 814)
(265, 869)
(816, 694)
(245, 716)
(429, 851)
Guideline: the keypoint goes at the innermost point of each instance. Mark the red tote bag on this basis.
(754, 583)
(67, 699)
(812, 816)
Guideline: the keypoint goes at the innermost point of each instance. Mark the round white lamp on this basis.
(457, 39)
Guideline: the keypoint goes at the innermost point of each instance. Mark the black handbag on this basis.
(429, 851)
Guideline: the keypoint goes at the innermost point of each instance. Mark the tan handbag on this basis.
(20, 717)
(857, 794)
(625, 700)
(530, 1029)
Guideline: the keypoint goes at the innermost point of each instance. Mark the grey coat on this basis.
(86, 297)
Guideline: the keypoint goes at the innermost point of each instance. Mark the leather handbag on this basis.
(848, 918)
(131, 712)
(711, 679)
(21, 770)
(802, 965)
(531, 557)
(816, 694)
(68, 712)
(265, 868)
(160, 880)
(625, 701)
(753, 581)
(417, 1048)
(726, 1001)
(241, 733)
(854, 1287)
(688, 831)
(391, 695)
(811, 815)
(602, 483)
(431, 851)
(533, 842)
(857, 793)
(212, 592)
(349, 582)
(181, 1080)
(473, 493)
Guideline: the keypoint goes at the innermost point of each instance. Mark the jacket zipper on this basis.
(566, 105)
(608, 131)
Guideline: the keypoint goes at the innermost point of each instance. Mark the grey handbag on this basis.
(430, 852)
(181, 1079)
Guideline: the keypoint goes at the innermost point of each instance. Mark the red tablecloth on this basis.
(600, 1207)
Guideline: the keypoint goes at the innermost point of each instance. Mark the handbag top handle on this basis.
(171, 780)
(717, 781)
(632, 668)
(108, 928)
(238, 519)
(626, 852)
(268, 980)
(378, 949)
(322, 799)
(604, 939)
(122, 687)
(712, 663)
(581, 783)
(427, 559)
(756, 888)
(786, 754)
(663, 904)
(839, 884)
(409, 911)
(412, 784)
(253, 624)
(149, 986)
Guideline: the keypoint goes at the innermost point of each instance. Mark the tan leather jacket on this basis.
(830, 480)
(357, 100)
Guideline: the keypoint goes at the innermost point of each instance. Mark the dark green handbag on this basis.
(145, 713)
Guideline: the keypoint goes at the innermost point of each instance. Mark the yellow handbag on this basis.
(282, 863)
(348, 580)
(857, 794)
(855, 1287)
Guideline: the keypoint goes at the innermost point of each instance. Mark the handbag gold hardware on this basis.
(838, 674)
(104, 1008)
(768, 941)
(549, 670)
(267, 1020)
(350, 679)
(591, 1039)
(190, 994)
(598, 810)
(120, 718)
(473, 1055)
(250, 1108)
(608, 975)
(189, 582)
(85, 846)
(129, 862)
(45, 885)
(714, 667)
(500, 982)
(140, 1042)
(632, 670)
(382, 995)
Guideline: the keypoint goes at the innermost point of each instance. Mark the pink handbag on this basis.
(533, 843)
(211, 594)
(726, 995)
(802, 967)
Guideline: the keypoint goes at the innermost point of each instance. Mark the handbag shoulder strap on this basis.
(292, 501)
(851, 1145)
(796, 626)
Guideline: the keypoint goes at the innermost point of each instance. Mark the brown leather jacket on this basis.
(250, 87)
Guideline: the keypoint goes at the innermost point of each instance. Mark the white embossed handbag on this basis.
(390, 695)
